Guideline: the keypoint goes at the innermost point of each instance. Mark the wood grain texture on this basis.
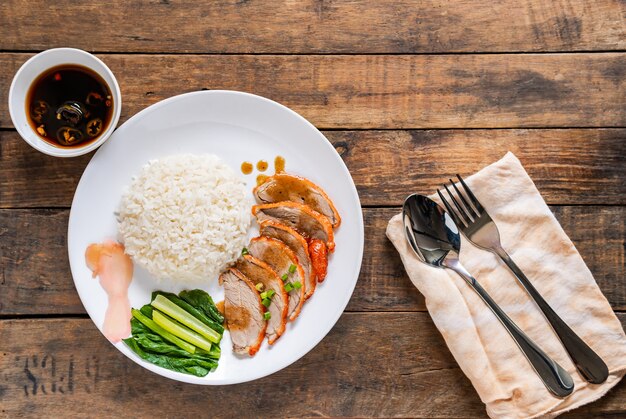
(314, 26)
(359, 66)
(65, 368)
(36, 279)
(384, 91)
(573, 166)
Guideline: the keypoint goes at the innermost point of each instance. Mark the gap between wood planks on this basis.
(335, 129)
(269, 54)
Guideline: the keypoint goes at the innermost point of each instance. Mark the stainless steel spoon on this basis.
(435, 239)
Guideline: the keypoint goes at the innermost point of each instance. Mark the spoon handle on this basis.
(588, 363)
(554, 377)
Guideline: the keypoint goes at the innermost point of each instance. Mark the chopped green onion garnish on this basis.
(259, 287)
(264, 295)
(244, 251)
(297, 285)
(284, 277)
(270, 293)
(292, 269)
(266, 302)
(288, 287)
(267, 315)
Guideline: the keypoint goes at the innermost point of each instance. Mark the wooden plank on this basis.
(312, 26)
(568, 166)
(381, 91)
(64, 367)
(572, 166)
(36, 278)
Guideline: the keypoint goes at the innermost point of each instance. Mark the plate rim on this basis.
(186, 378)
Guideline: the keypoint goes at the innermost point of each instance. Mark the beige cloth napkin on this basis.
(503, 378)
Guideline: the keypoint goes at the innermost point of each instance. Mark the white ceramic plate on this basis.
(237, 127)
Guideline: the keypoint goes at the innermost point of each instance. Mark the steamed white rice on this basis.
(185, 217)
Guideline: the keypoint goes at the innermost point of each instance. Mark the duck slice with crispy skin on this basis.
(298, 245)
(243, 312)
(257, 272)
(309, 223)
(286, 187)
(285, 263)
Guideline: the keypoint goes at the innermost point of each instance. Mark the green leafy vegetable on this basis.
(180, 331)
(297, 285)
(167, 343)
(267, 315)
(152, 342)
(292, 269)
(150, 324)
(214, 353)
(177, 313)
(202, 301)
(197, 367)
(198, 314)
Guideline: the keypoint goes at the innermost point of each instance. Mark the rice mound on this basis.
(184, 217)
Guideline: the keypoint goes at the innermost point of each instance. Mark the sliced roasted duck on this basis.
(271, 287)
(285, 263)
(299, 246)
(286, 187)
(243, 312)
(309, 223)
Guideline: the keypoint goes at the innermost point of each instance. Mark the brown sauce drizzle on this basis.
(237, 318)
(262, 165)
(287, 188)
(260, 179)
(279, 164)
(246, 168)
(220, 307)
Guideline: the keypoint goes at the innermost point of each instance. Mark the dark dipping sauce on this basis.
(69, 106)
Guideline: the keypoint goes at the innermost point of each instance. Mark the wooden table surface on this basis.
(408, 92)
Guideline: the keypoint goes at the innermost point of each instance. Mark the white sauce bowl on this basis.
(39, 64)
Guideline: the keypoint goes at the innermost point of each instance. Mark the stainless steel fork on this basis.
(479, 228)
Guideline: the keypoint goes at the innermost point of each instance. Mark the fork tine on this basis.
(461, 211)
(466, 204)
(471, 195)
(451, 211)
